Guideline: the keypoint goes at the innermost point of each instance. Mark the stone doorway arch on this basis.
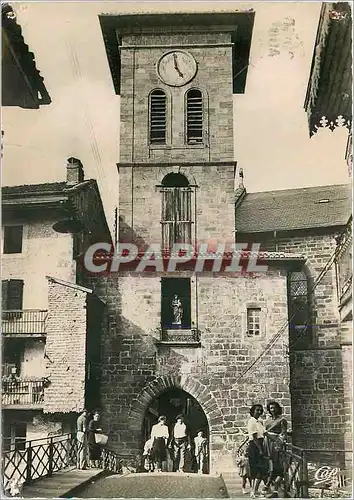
(196, 389)
(188, 384)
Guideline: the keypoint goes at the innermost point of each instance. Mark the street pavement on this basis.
(155, 485)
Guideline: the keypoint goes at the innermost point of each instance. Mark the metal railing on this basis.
(26, 321)
(22, 392)
(39, 458)
(295, 472)
(307, 470)
(180, 335)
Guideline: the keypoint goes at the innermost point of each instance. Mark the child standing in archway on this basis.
(201, 451)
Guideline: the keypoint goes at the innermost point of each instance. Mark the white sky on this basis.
(272, 142)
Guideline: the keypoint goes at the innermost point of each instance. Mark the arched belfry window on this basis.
(300, 318)
(157, 112)
(194, 116)
(177, 210)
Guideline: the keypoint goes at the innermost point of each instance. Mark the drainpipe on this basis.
(275, 241)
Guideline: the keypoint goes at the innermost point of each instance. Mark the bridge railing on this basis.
(308, 470)
(43, 457)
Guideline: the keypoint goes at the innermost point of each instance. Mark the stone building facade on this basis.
(311, 228)
(215, 364)
(50, 325)
(325, 110)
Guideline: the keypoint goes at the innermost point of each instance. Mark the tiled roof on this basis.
(239, 23)
(32, 189)
(16, 53)
(291, 209)
(330, 97)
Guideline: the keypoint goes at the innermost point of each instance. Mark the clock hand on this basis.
(176, 65)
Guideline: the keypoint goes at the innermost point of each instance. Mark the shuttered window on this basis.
(12, 294)
(194, 116)
(176, 217)
(158, 117)
(13, 239)
(299, 309)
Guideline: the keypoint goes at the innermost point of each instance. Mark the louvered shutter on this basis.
(194, 117)
(15, 294)
(158, 117)
(4, 289)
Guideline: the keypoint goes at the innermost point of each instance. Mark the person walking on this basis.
(274, 444)
(200, 451)
(256, 455)
(160, 436)
(244, 469)
(94, 448)
(81, 436)
(180, 442)
(148, 455)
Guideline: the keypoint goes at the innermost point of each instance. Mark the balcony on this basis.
(180, 337)
(22, 323)
(19, 394)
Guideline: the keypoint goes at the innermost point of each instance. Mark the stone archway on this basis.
(192, 386)
(161, 172)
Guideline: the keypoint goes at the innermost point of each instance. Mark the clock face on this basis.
(176, 68)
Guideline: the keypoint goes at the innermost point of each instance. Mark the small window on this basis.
(13, 239)
(253, 321)
(158, 117)
(175, 303)
(299, 302)
(194, 117)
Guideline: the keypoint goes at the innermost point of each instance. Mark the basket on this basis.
(101, 439)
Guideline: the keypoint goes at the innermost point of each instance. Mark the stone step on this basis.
(60, 484)
(231, 475)
(233, 483)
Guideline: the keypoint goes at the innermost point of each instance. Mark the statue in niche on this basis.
(177, 311)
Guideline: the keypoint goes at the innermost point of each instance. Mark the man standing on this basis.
(180, 441)
(81, 436)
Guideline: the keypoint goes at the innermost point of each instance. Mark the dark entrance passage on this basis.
(172, 403)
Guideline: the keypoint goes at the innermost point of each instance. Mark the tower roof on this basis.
(239, 24)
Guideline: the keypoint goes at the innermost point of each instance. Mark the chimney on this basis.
(240, 190)
(74, 172)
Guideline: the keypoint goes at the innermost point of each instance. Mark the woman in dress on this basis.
(160, 436)
(274, 442)
(257, 462)
(94, 448)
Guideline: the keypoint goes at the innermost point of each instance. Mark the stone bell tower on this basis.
(180, 340)
(176, 75)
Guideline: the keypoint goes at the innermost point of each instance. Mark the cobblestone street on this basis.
(156, 485)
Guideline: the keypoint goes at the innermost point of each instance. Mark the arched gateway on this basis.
(170, 396)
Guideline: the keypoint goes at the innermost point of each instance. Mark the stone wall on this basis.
(65, 352)
(140, 202)
(214, 78)
(317, 378)
(347, 363)
(132, 359)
